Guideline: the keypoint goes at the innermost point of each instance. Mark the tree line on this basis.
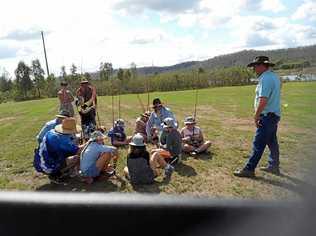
(30, 81)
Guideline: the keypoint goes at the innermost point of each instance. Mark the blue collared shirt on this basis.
(53, 151)
(47, 127)
(156, 120)
(269, 86)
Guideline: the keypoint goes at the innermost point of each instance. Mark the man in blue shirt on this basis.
(57, 152)
(266, 118)
(51, 125)
(154, 125)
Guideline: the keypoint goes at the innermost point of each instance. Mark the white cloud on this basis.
(171, 6)
(306, 11)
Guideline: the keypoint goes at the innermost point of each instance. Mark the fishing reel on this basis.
(84, 107)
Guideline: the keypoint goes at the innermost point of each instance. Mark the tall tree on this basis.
(106, 70)
(63, 72)
(38, 75)
(120, 74)
(23, 80)
(51, 86)
(5, 82)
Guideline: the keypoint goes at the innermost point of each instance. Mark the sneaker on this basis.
(272, 170)
(194, 153)
(244, 173)
(168, 171)
(56, 180)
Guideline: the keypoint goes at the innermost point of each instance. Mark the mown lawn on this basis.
(225, 115)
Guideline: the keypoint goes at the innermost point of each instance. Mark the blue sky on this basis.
(148, 32)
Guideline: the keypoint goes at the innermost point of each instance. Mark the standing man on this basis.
(266, 118)
(87, 101)
(65, 99)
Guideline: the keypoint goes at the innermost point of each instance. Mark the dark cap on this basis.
(156, 101)
(261, 60)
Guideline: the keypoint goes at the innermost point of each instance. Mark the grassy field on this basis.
(225, 115)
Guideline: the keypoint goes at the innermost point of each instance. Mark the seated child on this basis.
(138, 168)
(192, 138)
(117, 134)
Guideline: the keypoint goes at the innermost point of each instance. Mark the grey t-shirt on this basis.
(173, 141)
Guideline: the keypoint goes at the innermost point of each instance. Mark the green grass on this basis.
(225, 115)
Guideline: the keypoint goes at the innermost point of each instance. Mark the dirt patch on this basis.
(6, 119)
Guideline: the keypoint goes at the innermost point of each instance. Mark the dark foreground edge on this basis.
(43, 213)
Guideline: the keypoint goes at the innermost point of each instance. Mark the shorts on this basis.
(92, 171)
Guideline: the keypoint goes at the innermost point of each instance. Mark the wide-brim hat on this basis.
(189, 120)
(96, 134)
(63, 114)
(146, 114)
(137, 141)
(168, 123)
(260, 60)
(84, 81)
(68, 126)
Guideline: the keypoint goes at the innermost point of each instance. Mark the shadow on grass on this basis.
(75, 184)
(148, 188)
(185, 170)
(297, 186)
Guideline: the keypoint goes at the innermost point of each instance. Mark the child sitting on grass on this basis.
(138, 169)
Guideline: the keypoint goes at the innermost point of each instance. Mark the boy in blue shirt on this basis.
(117, 134)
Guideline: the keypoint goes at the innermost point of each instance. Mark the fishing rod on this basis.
(148, 95)
(196, 89)
(112, 103)
(141, 103)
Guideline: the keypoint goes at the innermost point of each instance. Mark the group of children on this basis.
(59, 153)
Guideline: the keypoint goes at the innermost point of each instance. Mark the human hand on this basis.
(257, 121)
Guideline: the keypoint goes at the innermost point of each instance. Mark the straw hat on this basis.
(146, 114)
(63, 114)
(68, 126)
(137, 140)
(84, 81)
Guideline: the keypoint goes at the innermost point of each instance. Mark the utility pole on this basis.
(45, 53)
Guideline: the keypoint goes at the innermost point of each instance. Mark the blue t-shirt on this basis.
(156, 120)
(47, 127)
(53, 151)
(117, 133)
(269, 86)
(91, 153)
